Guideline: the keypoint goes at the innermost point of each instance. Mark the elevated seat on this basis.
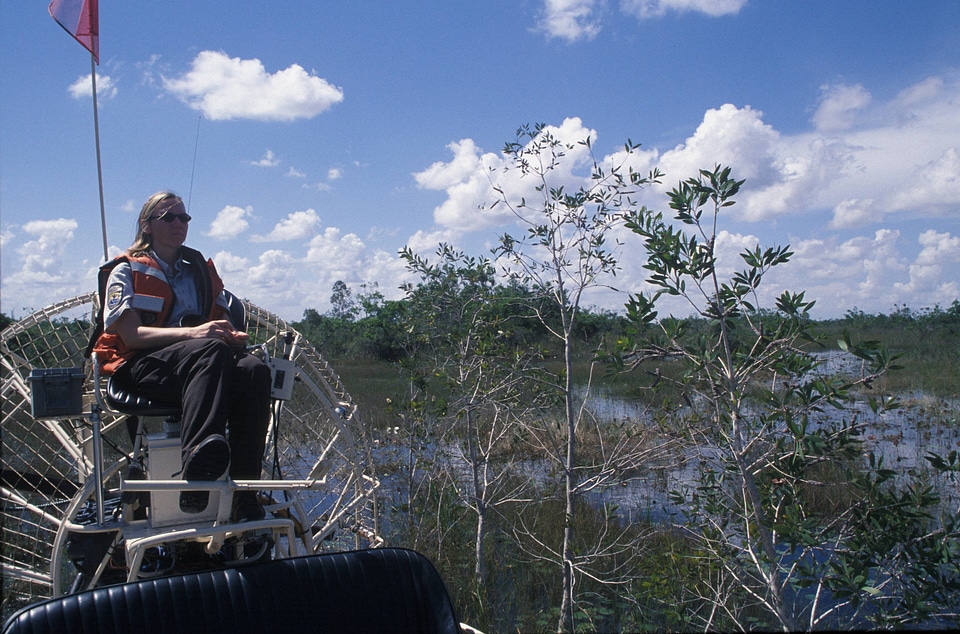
(379, 590)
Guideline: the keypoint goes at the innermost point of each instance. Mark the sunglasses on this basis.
(184, 218)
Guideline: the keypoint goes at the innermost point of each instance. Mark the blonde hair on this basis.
(143, 242)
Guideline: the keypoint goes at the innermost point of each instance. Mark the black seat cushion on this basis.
(236, 311)
(122, 398)
(379, 590)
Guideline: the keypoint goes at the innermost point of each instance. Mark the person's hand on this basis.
(223, 330)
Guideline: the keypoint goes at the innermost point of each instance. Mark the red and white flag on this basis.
(80, 19)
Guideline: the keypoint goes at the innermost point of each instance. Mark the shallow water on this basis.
(904, 436)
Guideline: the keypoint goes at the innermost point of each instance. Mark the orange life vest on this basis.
(149, 279)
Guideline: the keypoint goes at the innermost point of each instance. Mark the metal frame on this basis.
(333, 494)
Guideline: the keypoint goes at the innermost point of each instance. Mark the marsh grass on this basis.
(928, 353)
(827, 492)
(374, 386)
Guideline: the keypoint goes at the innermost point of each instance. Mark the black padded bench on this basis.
(378, 590)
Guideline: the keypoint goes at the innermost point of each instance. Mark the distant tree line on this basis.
(903, 315)
(369, 327)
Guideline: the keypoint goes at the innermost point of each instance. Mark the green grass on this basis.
(929, 355)
(374, 385)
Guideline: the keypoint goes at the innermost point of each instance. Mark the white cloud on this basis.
(41, 256)
(331, 251)
(853, 212)
(780, 172)
(387, 271)
(839, 106)
(858, 272)
(268, 160)
(923, 92)
(902, 155)
(295, 173)
(275, 270)
(224, 88)
(578, 20)
(467, 186)
(43, 269)
(334, 173)
(938, 248)
(288, 281)
(426, 242)
(296, 226)
(784, 174)
(728, 136)
(885, 164)
(465, 164)
(228, 263)
(865, 161)
(271, 282)
(470, 177)
(570, 20)
(230, 222)
(83, 87)
(934, 185)
(657, 8)
(928, 285)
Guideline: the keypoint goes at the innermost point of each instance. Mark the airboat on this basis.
(87, 499)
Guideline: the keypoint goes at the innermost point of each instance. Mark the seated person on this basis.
(165, 331)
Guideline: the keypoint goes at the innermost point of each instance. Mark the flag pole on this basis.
(96, 133)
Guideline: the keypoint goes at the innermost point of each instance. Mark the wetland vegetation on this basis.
(672, 577)
(760, 443)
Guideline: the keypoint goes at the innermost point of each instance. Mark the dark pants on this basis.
(214, 384)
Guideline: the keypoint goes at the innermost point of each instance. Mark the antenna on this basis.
(194, 168)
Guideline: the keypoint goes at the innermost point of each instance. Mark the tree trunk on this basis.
(479, 569)
(570, 482)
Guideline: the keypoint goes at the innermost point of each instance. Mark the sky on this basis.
(313, 140)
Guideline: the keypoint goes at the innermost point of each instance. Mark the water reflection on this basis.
(922, 425)
(903, 437)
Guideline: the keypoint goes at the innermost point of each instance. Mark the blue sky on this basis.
(328, 135)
